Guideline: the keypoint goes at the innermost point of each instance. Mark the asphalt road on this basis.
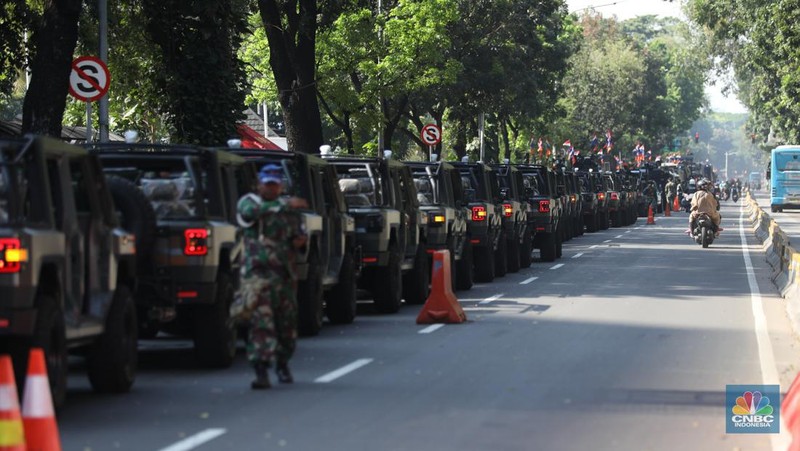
(626, 343)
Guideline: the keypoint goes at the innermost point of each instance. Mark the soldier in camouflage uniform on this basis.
(272, 233)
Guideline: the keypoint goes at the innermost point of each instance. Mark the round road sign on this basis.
(431, 134)
(89, 78)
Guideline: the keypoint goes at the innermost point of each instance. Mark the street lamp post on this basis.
(726, 163)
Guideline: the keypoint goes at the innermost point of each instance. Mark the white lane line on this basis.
(336, 374)
(766, 355)
(195, 440)
(593, 246)
(557, 266)
(627, 231)
(618, 236)
(490, 299)
(430, 329)
(577, 255)
(607, 241)
(527, 281)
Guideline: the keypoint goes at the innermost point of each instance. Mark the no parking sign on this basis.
(89, 78)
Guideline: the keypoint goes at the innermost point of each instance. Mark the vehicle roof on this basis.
(256, 155)
(47, 145)
(145, 150)
(336, 159)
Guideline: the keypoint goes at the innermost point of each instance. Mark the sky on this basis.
(627, 9)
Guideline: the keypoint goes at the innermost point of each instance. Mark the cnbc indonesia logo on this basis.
(752, 412)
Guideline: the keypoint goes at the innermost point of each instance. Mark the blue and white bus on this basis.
(785, 178)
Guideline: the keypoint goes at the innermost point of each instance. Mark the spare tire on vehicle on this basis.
(137, 216)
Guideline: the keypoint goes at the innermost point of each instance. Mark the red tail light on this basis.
(614, 195)
(196, 241)
(508, 210)
(478, 213)
(544, 206)
(601, 196)
(11, 255)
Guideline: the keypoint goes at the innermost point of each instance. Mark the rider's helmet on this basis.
(702, 184)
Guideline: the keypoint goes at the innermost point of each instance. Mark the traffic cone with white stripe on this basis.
(650, 218)
(12, 435)
(41, 430)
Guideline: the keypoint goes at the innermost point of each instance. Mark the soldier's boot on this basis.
(284, 375)
(261, 381)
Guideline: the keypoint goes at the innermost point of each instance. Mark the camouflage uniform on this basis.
(269, 279)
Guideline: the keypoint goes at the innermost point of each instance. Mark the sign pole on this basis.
(102, 9)
(89, 131)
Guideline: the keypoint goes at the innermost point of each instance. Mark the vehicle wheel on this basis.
(548, 247)
(340, 303)
(147, 329)
(704, 236)
(138, 216)
(484, 264)
(774, 209)
(501, 256)
(215, 336)
(451, 247)
(464, 272)
(512, 254)
(559, 247)
(387, 287)
(605, 221)
(617, 219)
(416, 283)
(112, 359)
(579, 226)
(566, 232)
(591, 223)
(309, 299)
(525, 250)
(50, 336)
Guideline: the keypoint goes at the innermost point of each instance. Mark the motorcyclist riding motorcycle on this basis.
(704, 202)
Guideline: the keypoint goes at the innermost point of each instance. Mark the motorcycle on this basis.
(704, 231)
(735, 193)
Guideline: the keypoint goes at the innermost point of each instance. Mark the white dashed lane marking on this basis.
(430, 329)
(577, 255)
(490, 299)
(336, 374)
(527, 281)
(557, 266)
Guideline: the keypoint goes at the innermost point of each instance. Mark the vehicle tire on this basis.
(512, 255)
(548, 248)
(484, 264)
(112, 359)
(416, 283)
(525, 250)
(137, 216)
(579, 229)
(605, 221)
(451, 247)
(214, 335)
(465, 272)
(147, 328)
(559, 247)
(591, 223)
(50, 335)
(340, 302)
(566, 232)
(617, 218)
(774, 209)
(387, 287)
(704, 236)
(309, 299)
(501, 256)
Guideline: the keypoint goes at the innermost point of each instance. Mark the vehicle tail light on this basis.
(544, 206)
(196, 241)
(478, 213)
(601, 196)
(369, 260)
(573, 198)
(437, 219)
(614, 195)
(187, 294)
(508, 210)
(11, 255)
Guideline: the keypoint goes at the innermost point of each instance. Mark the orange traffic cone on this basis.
(12, 435)
(675, 204)
(41, 431)
(650, 218)
(442, 305)
(666, 209)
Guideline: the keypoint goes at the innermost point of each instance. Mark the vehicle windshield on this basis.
(426, 189)
(787, 161)
(361, 185)
(534, 185)
(167, 183)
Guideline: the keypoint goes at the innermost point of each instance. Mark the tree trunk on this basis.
(504, 131)
(292, 33)
(392, 118)
(54, 45)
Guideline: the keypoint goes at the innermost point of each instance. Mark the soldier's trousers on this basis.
(273, 325)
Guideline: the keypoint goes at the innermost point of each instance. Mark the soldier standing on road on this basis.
(272, 233)
(671, 188)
